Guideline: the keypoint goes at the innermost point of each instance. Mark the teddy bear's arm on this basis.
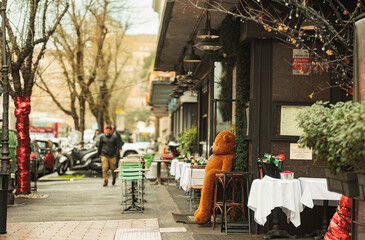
(228, 163)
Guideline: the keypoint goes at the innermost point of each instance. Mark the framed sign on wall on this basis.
(285, 123)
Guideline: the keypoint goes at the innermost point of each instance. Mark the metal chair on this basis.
(131, 176)
(148, 160)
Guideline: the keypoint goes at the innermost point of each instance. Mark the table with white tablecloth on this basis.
(179, 169)
(180, 172)
(192, 177)
(268, 193)
(173, 167)
(315, 189)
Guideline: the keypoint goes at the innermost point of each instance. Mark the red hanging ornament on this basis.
(341, 221)
(22, 111)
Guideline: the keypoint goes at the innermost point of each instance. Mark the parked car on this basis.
(57, 153)
(48, 151)
(37, 161)
(13, 143)
(132, 148)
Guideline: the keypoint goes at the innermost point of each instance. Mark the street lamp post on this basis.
(4, 171)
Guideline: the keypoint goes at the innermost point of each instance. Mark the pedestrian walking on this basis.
(120, 143)
(108, 149)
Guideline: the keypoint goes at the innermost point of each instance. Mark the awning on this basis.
(178, 25)
(160, 97)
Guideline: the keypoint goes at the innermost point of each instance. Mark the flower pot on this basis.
(343, 183)
(361, 184)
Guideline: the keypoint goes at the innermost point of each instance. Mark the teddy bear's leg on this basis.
(203, 214)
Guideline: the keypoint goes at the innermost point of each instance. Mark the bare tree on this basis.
(38, 20)
(112, 62)
(324, 28)
(87, 51)
(71, 42)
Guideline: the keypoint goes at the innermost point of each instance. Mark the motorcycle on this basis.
(74, 158)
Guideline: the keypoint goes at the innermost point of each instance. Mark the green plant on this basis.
(336, 133)
(188, 141)
(230, 35)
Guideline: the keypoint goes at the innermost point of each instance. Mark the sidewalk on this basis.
(203, 232)
(80, 207)
(84, 230)
(83, 209)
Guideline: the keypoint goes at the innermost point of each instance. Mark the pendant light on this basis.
(188, 79)
(190, 56)
(208, 45)
(207, 32)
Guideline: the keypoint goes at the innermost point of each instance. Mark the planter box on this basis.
(361, 184)
(343, 183)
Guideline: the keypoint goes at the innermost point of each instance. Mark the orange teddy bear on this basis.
(221, 161)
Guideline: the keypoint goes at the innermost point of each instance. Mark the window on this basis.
(224, 110)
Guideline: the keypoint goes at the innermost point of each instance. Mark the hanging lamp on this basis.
(208, 45)
(190, 56)
(207, 32)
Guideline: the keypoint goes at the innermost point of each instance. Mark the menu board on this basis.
(288, 123)
(297, 152)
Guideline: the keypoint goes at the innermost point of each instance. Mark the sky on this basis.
(144, 19)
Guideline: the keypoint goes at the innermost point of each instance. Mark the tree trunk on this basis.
(76, 121)
(22, 111)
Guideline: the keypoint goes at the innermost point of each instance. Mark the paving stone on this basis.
(77, 230)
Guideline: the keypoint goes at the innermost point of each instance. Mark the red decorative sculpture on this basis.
(341, 221)
(22, 111)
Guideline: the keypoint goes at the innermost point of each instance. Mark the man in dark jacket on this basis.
(108, 150)
(120, 142)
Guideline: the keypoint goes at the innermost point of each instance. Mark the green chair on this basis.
(148, 160)
(131, 176)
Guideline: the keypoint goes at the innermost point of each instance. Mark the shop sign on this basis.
(300, 62)
(166, 74)
(300, 153)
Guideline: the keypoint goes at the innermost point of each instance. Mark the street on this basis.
(83, 209)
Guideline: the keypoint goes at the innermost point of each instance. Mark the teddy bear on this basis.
(221, 161)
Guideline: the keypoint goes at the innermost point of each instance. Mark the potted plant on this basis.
(336, 133)
(188, 141)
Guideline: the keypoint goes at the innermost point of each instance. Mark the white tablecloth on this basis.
(152, 173)
(192, 177)
(179, 169)
(269, 193)
(173, 167)
(315, 189)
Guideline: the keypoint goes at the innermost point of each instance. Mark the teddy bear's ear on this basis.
(227, 138)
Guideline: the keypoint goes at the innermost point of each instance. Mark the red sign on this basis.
(300, 62)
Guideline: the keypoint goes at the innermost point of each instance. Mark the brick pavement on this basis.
(80, 230)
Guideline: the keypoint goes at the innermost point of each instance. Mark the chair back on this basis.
(130, 170)
(148, 160)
